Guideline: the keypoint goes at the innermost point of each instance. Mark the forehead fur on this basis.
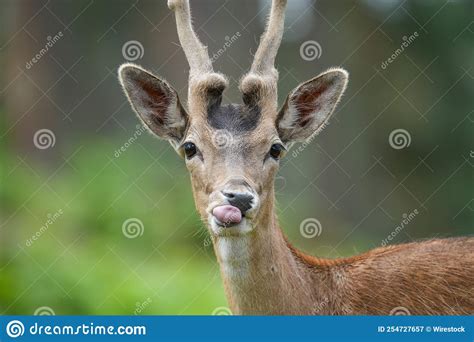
(234, 118)
(244, 128)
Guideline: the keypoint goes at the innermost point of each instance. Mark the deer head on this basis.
(232, 151)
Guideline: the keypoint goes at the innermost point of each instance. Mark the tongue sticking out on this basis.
(227, 214)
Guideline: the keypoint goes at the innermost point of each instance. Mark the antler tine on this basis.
(195, 51)
(264, 59)
(259, 85)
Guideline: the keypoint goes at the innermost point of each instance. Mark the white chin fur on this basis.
(233, 251)
(232, 247)
(240, 229)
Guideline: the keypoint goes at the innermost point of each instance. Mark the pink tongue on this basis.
(227, 214)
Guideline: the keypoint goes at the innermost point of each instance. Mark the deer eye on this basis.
(276, 151)
(189, 149)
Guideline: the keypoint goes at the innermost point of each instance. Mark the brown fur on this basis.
(434, 277)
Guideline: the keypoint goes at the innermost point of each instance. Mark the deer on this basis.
(233, 152)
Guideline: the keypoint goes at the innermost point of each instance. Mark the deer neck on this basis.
(261, 272)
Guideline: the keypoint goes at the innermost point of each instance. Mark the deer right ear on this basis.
(156, 103)
(308, 108)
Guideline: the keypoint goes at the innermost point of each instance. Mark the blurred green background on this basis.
(350, 177)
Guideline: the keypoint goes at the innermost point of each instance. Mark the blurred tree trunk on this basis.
(26, 106)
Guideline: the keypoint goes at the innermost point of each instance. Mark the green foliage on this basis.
(83, 263)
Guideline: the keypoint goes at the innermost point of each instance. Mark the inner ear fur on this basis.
(155, 102)
(310, 105)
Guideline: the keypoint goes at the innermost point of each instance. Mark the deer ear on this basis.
(309, 106)
(156, 103)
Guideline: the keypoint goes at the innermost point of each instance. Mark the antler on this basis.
(263, 76)
(202, 77)
(264, 59)
(196, 53)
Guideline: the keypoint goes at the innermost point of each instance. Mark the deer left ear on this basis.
(156, 103)
(308, 107)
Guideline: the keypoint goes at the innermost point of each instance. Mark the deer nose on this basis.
(243, 201)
